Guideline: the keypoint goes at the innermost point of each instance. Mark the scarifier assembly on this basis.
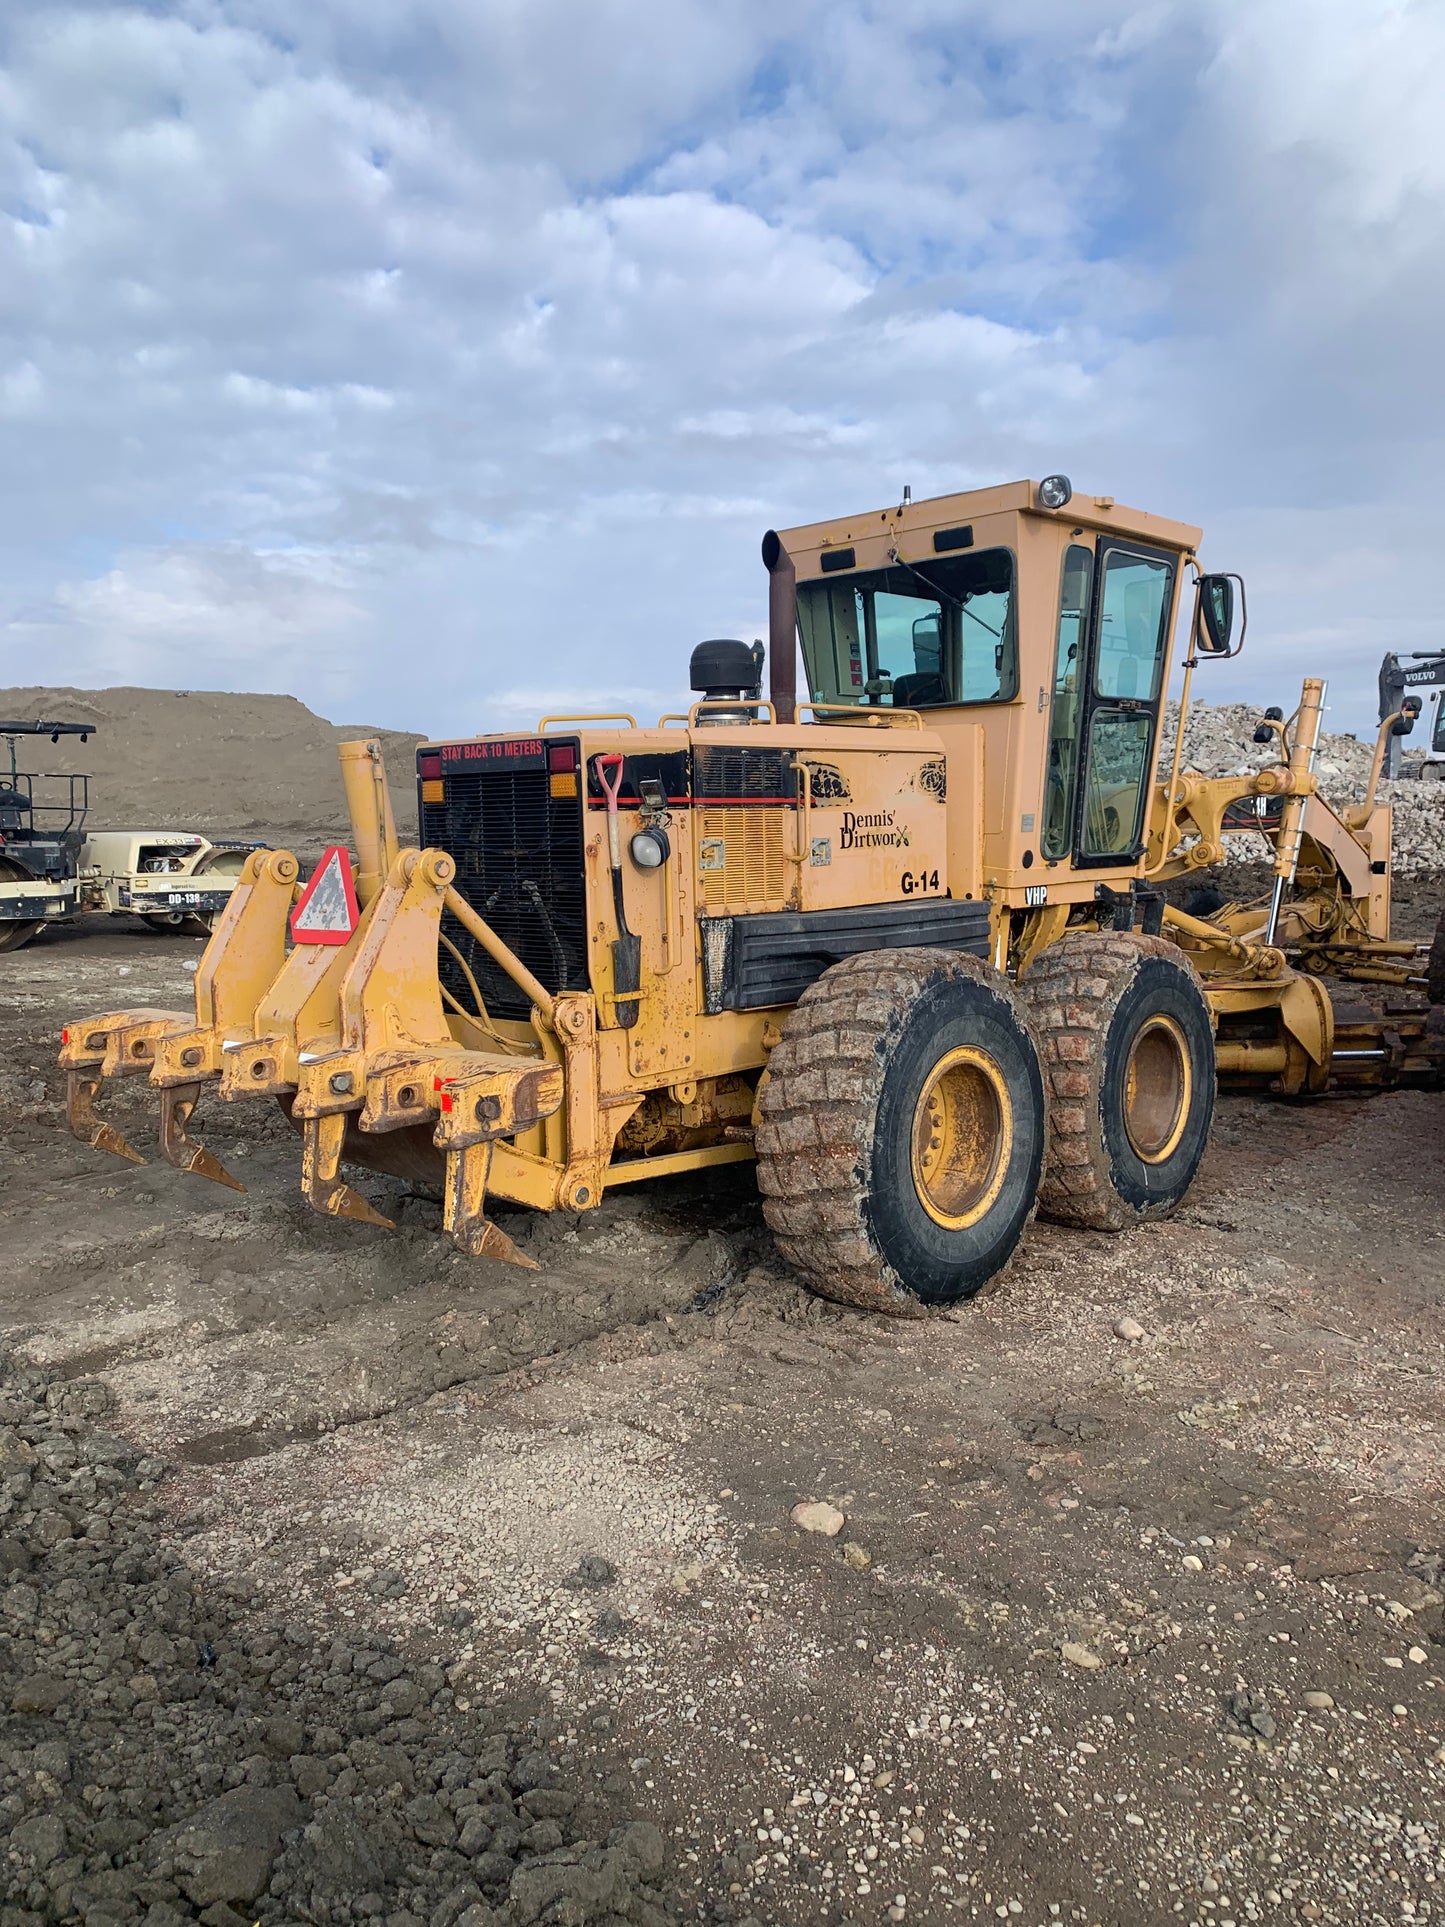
(911, 951)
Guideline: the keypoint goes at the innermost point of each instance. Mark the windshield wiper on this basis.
(943, 595)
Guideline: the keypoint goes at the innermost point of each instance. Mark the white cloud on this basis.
(442, 354)
(202, 616)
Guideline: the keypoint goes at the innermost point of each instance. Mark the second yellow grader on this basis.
(905, 944)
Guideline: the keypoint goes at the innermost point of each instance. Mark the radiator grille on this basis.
(731, 772)
(755, 869)
(518, 852)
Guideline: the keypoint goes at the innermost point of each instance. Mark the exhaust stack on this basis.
(782, 627)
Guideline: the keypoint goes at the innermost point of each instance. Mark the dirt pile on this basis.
(1219, 741)
(168, 1754)
(244, 765)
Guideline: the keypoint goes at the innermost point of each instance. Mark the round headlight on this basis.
(1055, 492)
(650, 848)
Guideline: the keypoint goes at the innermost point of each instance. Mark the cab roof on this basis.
(1003, 498)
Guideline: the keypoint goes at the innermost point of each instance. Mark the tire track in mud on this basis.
(229, 1334)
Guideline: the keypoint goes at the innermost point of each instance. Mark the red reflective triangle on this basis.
(327, 911)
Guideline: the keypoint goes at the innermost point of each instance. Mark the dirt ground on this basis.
(1119, 1629)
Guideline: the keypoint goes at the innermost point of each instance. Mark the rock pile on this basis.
(167, 1756)
(1219, 741)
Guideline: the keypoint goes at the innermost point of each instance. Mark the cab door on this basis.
(1114, 704)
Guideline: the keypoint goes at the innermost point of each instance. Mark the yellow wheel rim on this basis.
(1158, 1085)
(962, 1136)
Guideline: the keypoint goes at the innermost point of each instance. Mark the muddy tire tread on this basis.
(816, 1106)
(1072, 991)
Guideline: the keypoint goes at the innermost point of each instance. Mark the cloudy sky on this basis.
(445, 361)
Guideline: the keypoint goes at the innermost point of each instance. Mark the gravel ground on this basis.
(174, 1750)
(1133, 1613)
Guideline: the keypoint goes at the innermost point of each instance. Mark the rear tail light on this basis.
(562, 769)
(430, 767)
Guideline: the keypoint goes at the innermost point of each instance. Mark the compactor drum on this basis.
(906, 945)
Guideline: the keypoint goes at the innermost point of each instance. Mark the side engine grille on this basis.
(753, 871)
(518, 852)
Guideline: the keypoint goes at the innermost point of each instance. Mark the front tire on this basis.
(901, 1130)
(1128, 1047)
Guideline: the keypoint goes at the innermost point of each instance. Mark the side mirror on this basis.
(1214, 633)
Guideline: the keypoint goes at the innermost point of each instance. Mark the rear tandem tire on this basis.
(1128, 1047)
(901, 1130)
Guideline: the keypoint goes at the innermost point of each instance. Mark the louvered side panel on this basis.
(754, 871)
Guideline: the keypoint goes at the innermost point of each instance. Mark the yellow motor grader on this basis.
(906, 944)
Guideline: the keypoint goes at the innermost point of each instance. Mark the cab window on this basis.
(915, 636)
(1070, 671)
(1133, 604)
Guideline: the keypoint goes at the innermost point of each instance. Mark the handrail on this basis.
(803, 770)
(584, 716)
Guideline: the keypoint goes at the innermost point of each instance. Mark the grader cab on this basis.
(905, 944)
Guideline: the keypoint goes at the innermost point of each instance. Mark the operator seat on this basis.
(14, 809)
(923, 690)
